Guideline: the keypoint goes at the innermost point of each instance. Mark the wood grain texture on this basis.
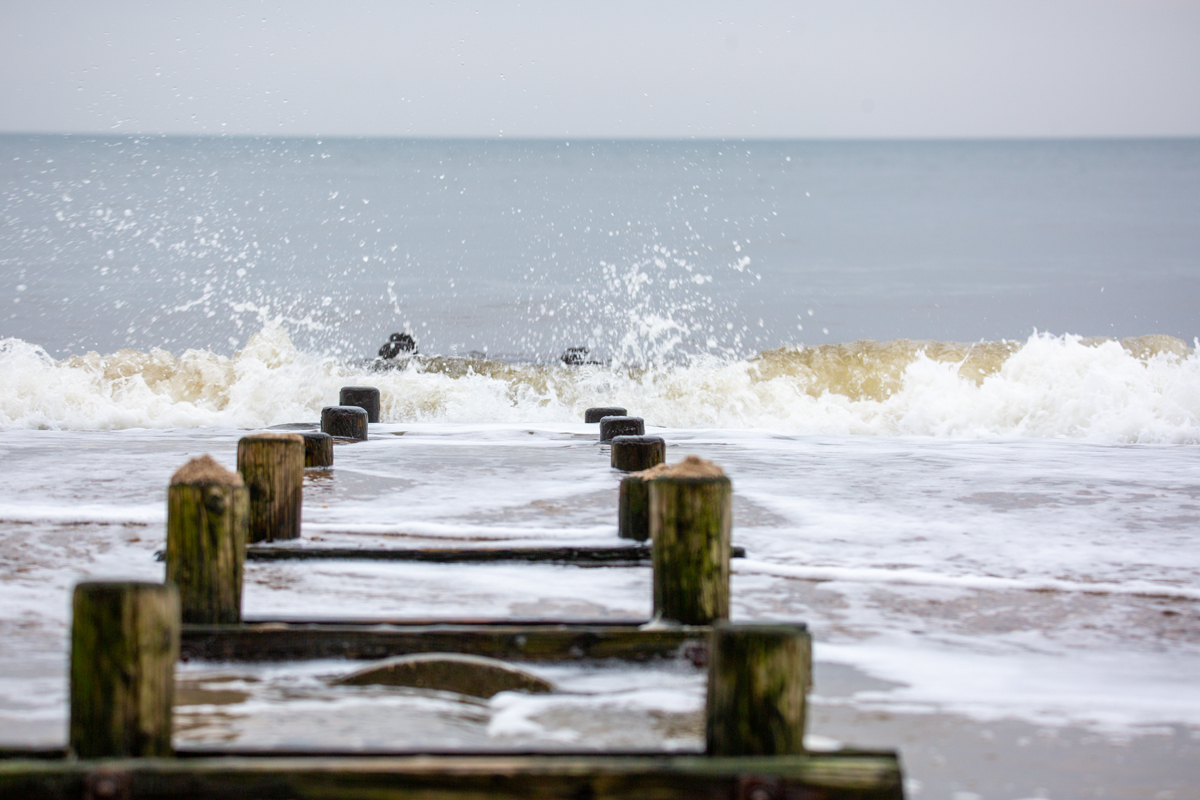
(345, 422)
(207, 526)
(758, 681)
(553, 642)
(272, 465)
(690, 528)
(633, 509)
(318, 449)
(124, 645)
(636, 453)
(828, 776)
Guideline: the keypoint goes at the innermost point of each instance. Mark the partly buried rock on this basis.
(449, 672)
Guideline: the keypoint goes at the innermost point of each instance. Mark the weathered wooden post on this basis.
(636, 453)
(208, 516)
(365, 397)
(272, 465)
(691, 516)
(344, 422)
(611, 427)
(318, 449)
(600, 412)
(758, 680)
(124, 644)
(633, 504)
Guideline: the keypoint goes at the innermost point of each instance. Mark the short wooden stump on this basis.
(611, 427)
(318, 449)
(344, 422)
(365, 397)
(600, 412)
(636, 453)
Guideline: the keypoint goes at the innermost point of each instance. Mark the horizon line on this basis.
(615, 139)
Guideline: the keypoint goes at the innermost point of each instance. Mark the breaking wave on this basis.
(1144, 389)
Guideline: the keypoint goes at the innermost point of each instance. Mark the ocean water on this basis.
(955, 386)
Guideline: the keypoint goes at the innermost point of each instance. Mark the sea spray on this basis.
(1145, 389)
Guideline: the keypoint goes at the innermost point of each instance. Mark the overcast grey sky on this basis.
(906, 68)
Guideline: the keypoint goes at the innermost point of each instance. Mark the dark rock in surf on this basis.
(398, 344)
(577, 356)
(472, 675)
(574, 356)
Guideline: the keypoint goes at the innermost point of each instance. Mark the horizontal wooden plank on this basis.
(829, 776)
(631, 555)
(290, 641)
(409, 622)
(580, 556)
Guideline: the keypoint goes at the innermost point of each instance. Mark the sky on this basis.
(844, 69)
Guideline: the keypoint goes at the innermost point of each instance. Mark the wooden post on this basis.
(758, 680)
(272, 465)
(365, 397)
(124, 644)
(344, 422)
(633, 504)
(633, 508)
(600, 412)
(208, 516)
(637, 453)
(318, 449)
(691, 516)
(621, 426)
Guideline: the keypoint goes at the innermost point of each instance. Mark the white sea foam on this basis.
(1140, 390)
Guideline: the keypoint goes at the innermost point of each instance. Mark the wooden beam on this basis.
(829, 776)
(284, 641)
(581, 556)
(632, 555)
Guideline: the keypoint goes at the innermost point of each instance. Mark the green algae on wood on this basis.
(124, 645)
(208, 516)
(758, 681)
(691, 517)
(829, 776)
(633, 503)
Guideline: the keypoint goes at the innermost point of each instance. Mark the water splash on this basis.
(1145, 389)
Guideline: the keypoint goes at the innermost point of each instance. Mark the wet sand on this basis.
(996, 693)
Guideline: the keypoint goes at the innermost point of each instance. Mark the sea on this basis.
(954, 383)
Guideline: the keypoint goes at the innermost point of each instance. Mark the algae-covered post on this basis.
(344, 422)
(636, 453)
(208, 517)
(633, 504)
(318, 449)
(124, 645)
(691, 516)
(365, 397)
(758, 680)
(272, 465)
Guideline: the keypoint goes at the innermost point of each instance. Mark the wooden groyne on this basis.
(828, 776)
(127, 636)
